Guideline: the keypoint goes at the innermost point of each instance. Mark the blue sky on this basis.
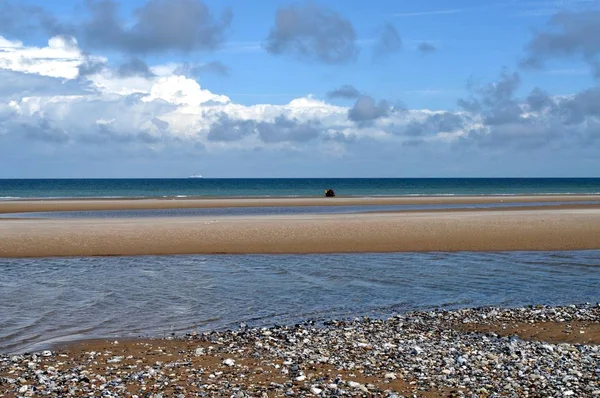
(432, 88)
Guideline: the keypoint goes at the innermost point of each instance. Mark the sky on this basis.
(331, 88)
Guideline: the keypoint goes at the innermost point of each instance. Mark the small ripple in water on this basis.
(57, 299)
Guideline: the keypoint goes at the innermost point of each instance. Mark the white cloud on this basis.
(165, 107)
(61, 58)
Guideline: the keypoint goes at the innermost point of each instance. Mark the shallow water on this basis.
(57, 299)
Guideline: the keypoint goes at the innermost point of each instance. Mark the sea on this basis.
(45, 301)
(291, 187)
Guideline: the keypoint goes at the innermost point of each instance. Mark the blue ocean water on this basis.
(86, 188)
(46, 300)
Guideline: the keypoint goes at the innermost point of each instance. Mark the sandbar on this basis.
(45, 205)
(474, 230)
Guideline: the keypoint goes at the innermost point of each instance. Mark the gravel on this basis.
(414, 354)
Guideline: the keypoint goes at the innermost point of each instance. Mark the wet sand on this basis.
(473, 230)
(43, 205)
(550, 332)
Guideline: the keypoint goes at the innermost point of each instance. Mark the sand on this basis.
(18, 206)
(474, 230)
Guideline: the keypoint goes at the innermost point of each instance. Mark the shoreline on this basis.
(47, 205)
(471, 230)
(429, 354)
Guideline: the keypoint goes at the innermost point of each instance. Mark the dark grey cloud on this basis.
(106, 133)
(160, 124)
(195, 70)
(134, 67)
(568, 34)
(346, 91)
(581, 107)
(495, 101)
(227, 129)
(158, 26)
(41, 130)
(433, 124)
(366, 109)
(90, 67)
(389, 42)
(312, 33)
(288, 130)
(282, 129)
(426, 48)
(536, 121)
(538, 100)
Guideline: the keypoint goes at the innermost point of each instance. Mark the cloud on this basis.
(41, 130)
(16, 85)
(538, 100)
(22, 20)
(442, 122)
(426, 48)
(365, 109)
(282, 129)
(155, 109)
(568, 34)
(226, 129)
(389, 42)
(90, 66)
(61, 58)
(313, 34)
(157, 26)
(346, 91)
(500, 119)
(494, 102)
(134, 67)
(198, 70)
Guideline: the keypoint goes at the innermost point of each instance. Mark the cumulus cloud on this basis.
(312, 33)
(500, 118)
(426, 48)
(568, 34)
(439, 122)
(281, 129)
(158, 26)
(495, 101)
(389, 42)
(366, 109)
(61, 58)
(155, 27)
(346, 91)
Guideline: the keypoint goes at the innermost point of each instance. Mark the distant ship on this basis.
(195, 176)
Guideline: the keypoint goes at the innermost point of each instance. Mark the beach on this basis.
(422, 354)
(567, 225)
(516, 351)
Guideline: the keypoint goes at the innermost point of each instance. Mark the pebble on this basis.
(418, 347)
